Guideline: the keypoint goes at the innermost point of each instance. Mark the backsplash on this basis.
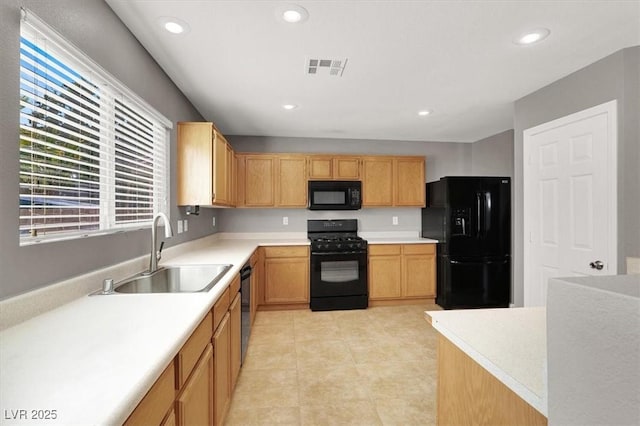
(271, 220)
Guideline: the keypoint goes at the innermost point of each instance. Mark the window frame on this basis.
(113, 95)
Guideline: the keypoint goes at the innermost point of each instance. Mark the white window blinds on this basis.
(93, 156)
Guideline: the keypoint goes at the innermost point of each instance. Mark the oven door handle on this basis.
(338, 253)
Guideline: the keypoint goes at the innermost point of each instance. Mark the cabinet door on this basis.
(257, 264)
(259, 174)
(194, 405)
(195, 163)
(419, 275)
(346, 168)
(291, 181)
(385, 277)
(170, 420)
(286, 280)
(377, 181)
(220, 170)
(157, 402)
(221, 373)
(320, 167)
(235, 342)
(409, 182)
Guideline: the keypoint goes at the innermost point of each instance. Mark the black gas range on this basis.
(338, 265)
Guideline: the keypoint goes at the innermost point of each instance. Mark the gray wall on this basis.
(614, 77)
(94, 28)
(441, 159)
(493, 156)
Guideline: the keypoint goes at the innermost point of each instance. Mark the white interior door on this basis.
(570, 200)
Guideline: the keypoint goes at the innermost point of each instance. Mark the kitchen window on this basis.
(93, 155)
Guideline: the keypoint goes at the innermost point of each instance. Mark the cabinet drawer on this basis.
(384, 249)
(191, 351)
(419, 249)
(157, 402)
(234, 287)
(220, 308)
(286, 251)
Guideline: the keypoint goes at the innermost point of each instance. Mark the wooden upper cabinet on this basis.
(291, 181)
(221, 170)
(204, 165)
(409, 182)
(327, 167)
(346, 168)
(258, 179)
(393, 181)
(320, 167)
(377, 181)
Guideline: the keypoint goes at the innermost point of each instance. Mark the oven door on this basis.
(339, 274)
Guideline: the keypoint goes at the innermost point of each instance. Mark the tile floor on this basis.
(362, 367)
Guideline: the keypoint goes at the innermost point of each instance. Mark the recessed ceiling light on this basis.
(289, 106)
(292, 13)
(534, 36)
(424, 112)
(174, 25)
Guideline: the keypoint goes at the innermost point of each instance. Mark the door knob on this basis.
(596, 265)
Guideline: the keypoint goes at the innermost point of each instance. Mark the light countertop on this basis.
(93, 359)
(509, 343)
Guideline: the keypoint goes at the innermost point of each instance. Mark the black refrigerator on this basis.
(471, 218)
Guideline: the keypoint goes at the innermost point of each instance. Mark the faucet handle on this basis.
(159, 253)
(107, 286)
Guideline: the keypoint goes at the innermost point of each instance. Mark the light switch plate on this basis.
(186, 225)
(180, 226)
(213, 221)
(394, 220)
(285, 220)
(633, 265)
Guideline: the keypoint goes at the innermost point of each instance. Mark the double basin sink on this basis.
(175, 279)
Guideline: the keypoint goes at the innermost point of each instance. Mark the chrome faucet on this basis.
(168, 233)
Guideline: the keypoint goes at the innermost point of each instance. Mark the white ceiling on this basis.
(239, 62)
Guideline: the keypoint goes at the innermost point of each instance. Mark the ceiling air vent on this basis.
(334, 67)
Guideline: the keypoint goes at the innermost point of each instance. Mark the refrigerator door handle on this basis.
(478, 218)
(487, 213)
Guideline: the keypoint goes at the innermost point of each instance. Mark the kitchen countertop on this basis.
(509, 343)
(93, 359)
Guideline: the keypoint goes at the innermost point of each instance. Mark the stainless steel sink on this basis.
(175, 279)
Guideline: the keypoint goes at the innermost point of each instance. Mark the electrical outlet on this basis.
(394, 220)
(186, 225)
(285, 220)
(213, 221)
(180, 227)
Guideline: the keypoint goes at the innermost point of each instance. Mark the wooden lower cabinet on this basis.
(257, 273)
(157, 402)
(286, 275)
(385, 272)
(470, 395)
(402, 272)
(235, 356)
(193, 406)
(170, 420)
(221, 370)
(419, 270)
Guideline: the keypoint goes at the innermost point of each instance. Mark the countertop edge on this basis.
(536, 401)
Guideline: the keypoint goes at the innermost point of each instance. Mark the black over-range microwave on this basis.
(335, 195)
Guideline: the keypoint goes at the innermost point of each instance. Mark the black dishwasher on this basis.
(245, 303)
